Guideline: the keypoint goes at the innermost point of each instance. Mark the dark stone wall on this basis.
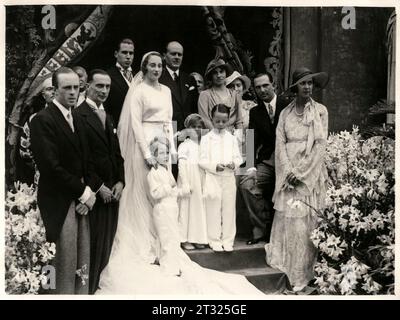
(304, 44)
(355, 59)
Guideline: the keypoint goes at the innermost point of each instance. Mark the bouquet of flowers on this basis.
(355, 237)
(26, 249)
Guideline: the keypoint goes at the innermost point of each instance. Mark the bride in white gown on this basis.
(132, 268)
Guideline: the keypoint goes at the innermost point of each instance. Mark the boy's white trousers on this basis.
(221, 213)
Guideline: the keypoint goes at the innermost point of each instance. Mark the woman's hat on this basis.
(303, 74)
(213, 64)
(236, 75)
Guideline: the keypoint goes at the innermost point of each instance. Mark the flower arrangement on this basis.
(26, 249)
(355, 236)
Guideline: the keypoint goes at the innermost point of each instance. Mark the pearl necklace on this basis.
(298, 114)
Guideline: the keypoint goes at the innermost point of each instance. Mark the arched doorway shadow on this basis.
(151, 27)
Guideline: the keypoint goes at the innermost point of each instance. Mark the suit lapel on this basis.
(63, 124)
(83, 142)
(264, 117)
(182, 87)
(109, 132)
(93, 121)
(172, 85)
(120, 80)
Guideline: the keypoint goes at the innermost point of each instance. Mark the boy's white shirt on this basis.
(219, 148)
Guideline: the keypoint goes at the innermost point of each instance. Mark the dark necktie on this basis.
(270, 113)
(175, 76)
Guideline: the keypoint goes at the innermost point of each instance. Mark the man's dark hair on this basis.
(125, 40)
(96, 71)
(266, 73)
(61, 70)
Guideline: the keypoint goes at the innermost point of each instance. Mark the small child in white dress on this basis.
(219, 157)
(192, 212)
(164, 191)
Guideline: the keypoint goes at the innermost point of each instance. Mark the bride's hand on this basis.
(151, 162)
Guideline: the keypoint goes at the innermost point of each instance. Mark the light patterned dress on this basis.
(300, 149)
(210, 97)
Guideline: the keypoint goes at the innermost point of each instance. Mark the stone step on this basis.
(245, 260)
(243, 257)
(266, 279)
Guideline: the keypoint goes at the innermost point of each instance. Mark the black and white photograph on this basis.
(199, 151)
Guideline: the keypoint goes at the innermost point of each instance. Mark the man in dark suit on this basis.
(109, 167)
(67, 184)
(257, 187)
(121, 77)
(179, 83)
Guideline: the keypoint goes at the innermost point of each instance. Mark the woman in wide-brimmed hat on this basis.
(241, 84)
(301, 175)
(218, 93)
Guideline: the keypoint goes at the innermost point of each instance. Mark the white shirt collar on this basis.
(217, 133)
(171, 72)
(63, 109)
(120, 67)
(272, 103)
(93, 104)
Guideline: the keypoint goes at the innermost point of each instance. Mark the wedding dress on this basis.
(147, 112)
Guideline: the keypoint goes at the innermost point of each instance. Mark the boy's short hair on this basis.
(221, 108)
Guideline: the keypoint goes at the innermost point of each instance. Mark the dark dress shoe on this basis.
(256, 240)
